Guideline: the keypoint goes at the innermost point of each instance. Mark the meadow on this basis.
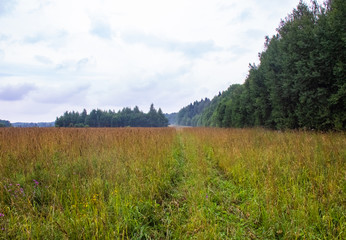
(168, 183)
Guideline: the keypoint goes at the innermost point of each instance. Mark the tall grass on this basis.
(289, 185)
(82, 183)
(137, 183)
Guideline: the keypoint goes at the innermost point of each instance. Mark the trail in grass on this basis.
(203, 204)
(171, 184)
(173, 214)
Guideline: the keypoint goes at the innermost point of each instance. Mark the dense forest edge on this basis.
(5, 123)
(300, 82)
(127, 117)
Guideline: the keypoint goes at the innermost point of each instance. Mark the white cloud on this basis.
(6, 6)
(62, 55)
(101, 28)
(61, 94)
(15, 92)
(189, 49)
(43, 59)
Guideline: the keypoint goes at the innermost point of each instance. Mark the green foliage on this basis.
(190, 115)
(5, 123)
(300, 82)
(124, 118)
(171, 183)
(172, 118)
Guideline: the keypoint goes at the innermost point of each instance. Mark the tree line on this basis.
(5, 123)
(127, 117)
(188, 116)
(300, 82)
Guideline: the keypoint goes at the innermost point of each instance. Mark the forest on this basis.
(299, 82)
(126, 175)
(5, 123)
(124, 118)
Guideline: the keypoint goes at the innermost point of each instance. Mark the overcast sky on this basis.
(58, 55)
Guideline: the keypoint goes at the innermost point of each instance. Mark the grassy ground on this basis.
(191, 183)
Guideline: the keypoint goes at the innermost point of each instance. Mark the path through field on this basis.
(167, 183)
(203, 203)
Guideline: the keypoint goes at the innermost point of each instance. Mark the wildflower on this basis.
(94, 199)
(36, 182)
(2, 215)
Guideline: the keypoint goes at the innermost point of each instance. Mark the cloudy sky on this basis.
(58, 55)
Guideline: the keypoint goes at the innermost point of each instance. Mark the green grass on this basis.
(192, 183)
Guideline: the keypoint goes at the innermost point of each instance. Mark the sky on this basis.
(65, 55)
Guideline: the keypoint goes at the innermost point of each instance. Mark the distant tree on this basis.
(172, 118)
(163, 121)
(191, 114)
(299, 83)
(5, 123)
(91, 119)
(125, 117)
(82, 118)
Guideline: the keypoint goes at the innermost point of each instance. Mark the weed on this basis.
(143, 183)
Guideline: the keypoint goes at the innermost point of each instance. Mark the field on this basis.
(167, 183)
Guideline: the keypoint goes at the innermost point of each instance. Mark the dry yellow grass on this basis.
(294, 182)
(174, 184)
(75, 169)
